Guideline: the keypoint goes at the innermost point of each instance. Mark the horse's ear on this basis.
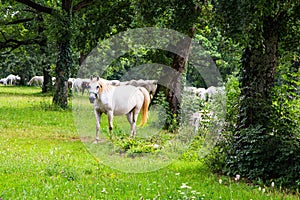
(98, 78)
(91, 77)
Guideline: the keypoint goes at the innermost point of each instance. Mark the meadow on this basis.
(42, 157)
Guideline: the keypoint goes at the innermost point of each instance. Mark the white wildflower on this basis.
(155, 146)
(259, 188)
(184, 185)
(272, 184)
(220, 181)
(237, 177)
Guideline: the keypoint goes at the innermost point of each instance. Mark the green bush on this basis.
(166, 118)
(267, 153)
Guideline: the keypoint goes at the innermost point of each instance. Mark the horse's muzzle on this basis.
(92, 99)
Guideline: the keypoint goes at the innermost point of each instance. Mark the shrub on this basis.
(166, 118)
(268, 152)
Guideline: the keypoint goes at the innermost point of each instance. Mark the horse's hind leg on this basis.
(132, 123)
(135, 114)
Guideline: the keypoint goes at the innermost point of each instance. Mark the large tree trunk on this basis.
(47, 84)
(259, 66)
(64, 60)
(62, 70)
(175, 84)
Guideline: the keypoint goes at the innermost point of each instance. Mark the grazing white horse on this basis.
(150, 85)
(37, 81)
(121, 100)
(12, 79)
(3, 81)
(80, 85)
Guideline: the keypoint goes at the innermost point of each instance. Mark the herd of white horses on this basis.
(133, 96)
(15, 80)
(10, 80)
(81, 85)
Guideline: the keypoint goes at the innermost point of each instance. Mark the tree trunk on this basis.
(258, 71)
(64, 60)
(174, 88)
(62, 70)
(47, 84)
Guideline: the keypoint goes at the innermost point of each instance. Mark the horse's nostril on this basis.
(91, 100)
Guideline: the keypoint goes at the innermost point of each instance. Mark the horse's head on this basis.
(94, 90)
(97, 86)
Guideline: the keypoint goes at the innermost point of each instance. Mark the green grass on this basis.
(42, 157)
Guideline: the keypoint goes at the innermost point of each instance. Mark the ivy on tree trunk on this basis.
(175, 84)
(258, 72)
(63, 65)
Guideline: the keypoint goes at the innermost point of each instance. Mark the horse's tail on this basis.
(145, 106)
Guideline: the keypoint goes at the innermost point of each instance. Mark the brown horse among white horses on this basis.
(118, 100)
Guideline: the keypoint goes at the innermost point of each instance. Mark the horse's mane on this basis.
(105, 85)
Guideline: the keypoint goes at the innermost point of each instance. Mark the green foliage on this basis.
(166, 117)
(267, 136)
(138, 146)
(247, 29)
(224, 52)
(232, 101)
(267, 154)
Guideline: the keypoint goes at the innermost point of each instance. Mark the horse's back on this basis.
(126, 98)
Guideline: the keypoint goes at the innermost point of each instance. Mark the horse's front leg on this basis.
(110, 116)
(98, 119)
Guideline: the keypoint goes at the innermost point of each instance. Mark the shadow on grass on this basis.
(23, 91)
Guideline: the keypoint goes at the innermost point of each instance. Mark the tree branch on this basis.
(36, 6)
(82, 4)
(14, 43)
(18, 21)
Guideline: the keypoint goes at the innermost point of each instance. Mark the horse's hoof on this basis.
(96, 142)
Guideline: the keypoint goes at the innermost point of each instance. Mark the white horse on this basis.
(37, 81)
(12, 79)
(80, 85)
(121, 100)
(3, 81)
